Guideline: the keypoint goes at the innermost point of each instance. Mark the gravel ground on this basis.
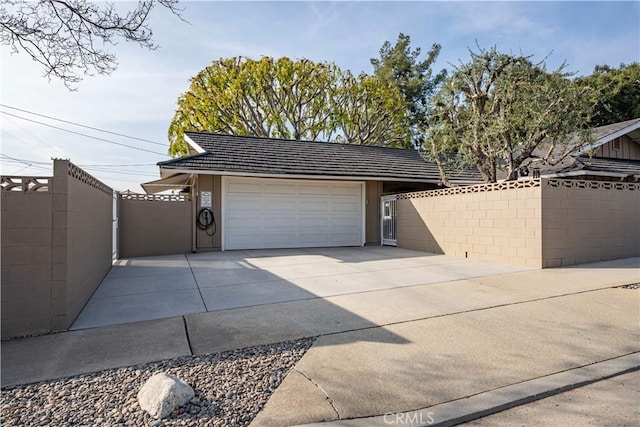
(231, 388)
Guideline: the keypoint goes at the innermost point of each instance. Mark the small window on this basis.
(616, 144)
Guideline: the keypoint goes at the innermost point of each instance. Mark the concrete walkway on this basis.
(388, 350)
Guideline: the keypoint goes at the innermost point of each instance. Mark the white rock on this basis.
(162, 393)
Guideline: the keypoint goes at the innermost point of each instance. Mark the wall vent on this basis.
(616, 144)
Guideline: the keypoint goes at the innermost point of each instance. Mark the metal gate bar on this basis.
(388, 225)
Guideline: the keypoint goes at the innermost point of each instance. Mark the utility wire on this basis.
(81, 125)
(29, 133)
(97, 168)
(84, 134)
(28, 164)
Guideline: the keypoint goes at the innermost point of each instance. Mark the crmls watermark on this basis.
(408, 419)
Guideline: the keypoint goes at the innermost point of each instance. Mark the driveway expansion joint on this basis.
(326, 395)
(186, 334)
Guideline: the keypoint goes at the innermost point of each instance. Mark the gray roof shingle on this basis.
(238, 154)
(600, 164)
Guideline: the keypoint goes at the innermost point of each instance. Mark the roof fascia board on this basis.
(298, 176)
(607, 138)
(193, 145)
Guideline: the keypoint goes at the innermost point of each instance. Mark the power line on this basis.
(81, 125)
(25, 161)
(28, 133)
(97, 168)
(84, 134)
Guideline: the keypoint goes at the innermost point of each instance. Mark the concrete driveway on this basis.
(150, 288)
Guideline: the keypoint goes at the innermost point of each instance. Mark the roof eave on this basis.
(608, 138)
(165, 169)
(584, 172)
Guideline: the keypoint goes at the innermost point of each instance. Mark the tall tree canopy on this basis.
(282, 98)
(67, 37)
(400, 66)
(618, 93)
(501, 111)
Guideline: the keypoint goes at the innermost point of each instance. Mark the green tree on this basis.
(618, 92)
(370, 112)
(501, 112)
(289, 99)
(402, 67)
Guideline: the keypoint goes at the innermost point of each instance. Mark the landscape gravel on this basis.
(230, 389)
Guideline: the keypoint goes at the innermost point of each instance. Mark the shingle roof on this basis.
(603, 134)
(253, 155)
(600, 164)
(602, 131)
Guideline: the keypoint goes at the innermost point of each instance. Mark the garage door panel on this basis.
(345, 222)
(278, 205)
(244, 205)
(278, 238)
(314, 222)
(279, 189)
(287, 213)
(313, 239)
(310, 205)
(340, 190)
(313, 189)
(345, 206)
(244, 187)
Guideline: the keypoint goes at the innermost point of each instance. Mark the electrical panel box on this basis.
(206, 199)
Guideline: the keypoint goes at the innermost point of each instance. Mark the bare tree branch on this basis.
(70, 38)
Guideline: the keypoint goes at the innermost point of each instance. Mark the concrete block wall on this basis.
(537, 223)
(26, 259)
(589, 221)
(154, 225)
(89, 239)
(495, 222)
(56, 248)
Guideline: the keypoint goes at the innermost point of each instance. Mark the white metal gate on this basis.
(388, 225)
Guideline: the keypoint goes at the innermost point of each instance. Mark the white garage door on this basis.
(286, 213)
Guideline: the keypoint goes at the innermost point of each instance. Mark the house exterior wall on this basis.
(372, 215)
(56, 248)
(494, 222)
(212, 183)
(154, 225)
(589, 221)
(628, 150)
(537, 223)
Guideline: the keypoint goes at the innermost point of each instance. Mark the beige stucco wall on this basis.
(56, 249)
(149, 225)
(502, 225)
(589, 221)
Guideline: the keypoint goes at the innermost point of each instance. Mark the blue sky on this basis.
(139, 98)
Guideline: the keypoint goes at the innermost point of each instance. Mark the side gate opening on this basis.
(388, 216)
